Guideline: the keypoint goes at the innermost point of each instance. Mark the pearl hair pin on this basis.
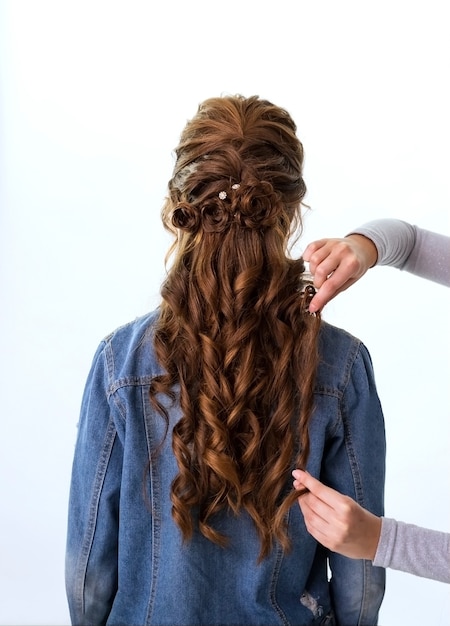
(223, 194)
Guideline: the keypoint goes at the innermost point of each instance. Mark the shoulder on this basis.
(337, 337)
(134, 331)
(337, 345)
(128, 350)
(340, 353)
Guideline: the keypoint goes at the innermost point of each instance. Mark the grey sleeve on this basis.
(410, 248)
(413, 549)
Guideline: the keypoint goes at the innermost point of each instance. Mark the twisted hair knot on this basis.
(215, 216)
(185, 217)
(254, 206)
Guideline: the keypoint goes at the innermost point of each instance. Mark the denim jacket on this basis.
(126, 563)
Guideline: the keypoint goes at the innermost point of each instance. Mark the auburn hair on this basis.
(234, 336)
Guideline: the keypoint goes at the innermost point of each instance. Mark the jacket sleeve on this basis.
(92, 538)
(356, 457)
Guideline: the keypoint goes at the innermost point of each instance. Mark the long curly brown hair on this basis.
(234, 336)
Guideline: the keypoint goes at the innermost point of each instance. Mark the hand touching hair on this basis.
(234, 333)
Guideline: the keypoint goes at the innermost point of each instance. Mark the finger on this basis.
(321, 509)
(324, 250)
(312, 247)
(327, 292)
(338, 261)
(316, 525)
(326, 494)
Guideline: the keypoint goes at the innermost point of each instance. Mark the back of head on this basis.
(239, 165)
(234, 331)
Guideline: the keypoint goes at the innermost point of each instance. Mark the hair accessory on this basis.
(223, 194)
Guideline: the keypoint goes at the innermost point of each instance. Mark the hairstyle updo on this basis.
(234, 336)
(238, 163)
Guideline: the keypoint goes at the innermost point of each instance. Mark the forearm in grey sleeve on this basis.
(410, 248)
(413, 549)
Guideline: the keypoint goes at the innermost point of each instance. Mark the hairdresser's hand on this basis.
(336, 264)
(337, 521)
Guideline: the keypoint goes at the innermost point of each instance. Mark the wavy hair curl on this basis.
(234, 334)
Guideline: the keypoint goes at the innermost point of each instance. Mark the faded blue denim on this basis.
(126, 563)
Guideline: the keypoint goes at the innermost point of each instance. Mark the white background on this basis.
(94, 96)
